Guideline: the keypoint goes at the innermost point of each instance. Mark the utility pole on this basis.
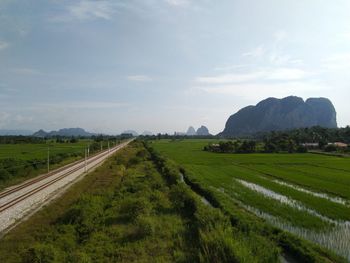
(88, 153)
(108, 147)
(101, 146)
(48, 159)
(85, 161)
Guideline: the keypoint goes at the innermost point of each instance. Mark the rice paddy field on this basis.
(307, 195)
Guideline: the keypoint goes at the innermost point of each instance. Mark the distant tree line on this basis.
(312, 135)
(296, 140)
(160, 136)
(20, 139)
(237, 146)
(286, 141)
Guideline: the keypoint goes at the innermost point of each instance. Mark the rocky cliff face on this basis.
(202, 131)
(191, 131)
(281, 114)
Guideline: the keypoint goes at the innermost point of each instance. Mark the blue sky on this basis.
(162, 65)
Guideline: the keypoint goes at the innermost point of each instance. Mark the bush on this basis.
(330, 148)
(144, 227)
(80, 257)
(301, 149)
(86, 214)
(183, 200)
(133, 208)
(133, 161)
(4, 175)
(41, 253)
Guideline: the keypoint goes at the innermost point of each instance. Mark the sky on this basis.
(163, 65)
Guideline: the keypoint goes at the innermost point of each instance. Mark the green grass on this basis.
(318, 173)
(19, 162)
(39, 150)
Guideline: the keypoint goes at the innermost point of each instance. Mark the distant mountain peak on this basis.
(202, 131)
(281, 114)
(67, 132)
(191, 131)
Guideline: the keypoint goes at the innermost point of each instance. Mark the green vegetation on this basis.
(305, 194)
(22, 158)
(134, 208)
(137, 208)
(291, 140)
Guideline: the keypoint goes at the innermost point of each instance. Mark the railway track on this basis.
(40, 178)
(15, 197)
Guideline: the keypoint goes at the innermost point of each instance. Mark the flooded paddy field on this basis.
(306, 195)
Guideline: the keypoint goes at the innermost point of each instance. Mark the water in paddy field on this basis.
(336, 238)
(288, 201)
(337, 200)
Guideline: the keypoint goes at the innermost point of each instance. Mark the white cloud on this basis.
(280, 35)
(229, 67)
(92, 9)
(4, 117)
(139, 78)
(255, 52)
(26, 71)
(286, 74)
(178, 3)
(257, 91)
(95, 105)
(279, 59)
(337, 62)
(3, 45)
(275, 74)
(229, 78)
(345, 35)
(88, 10)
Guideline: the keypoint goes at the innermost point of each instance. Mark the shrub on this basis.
(133, 161)
(80, 257)
(330, 148)
(41, 253)
(86, 214)
(4, 175)
(301, 149)
(183, 199)
(144, 227)
(133, 208)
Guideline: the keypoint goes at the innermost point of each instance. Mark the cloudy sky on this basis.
(162, 65)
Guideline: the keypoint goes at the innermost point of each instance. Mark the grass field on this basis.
(19, 162)
(305, 194)
(39, 150)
